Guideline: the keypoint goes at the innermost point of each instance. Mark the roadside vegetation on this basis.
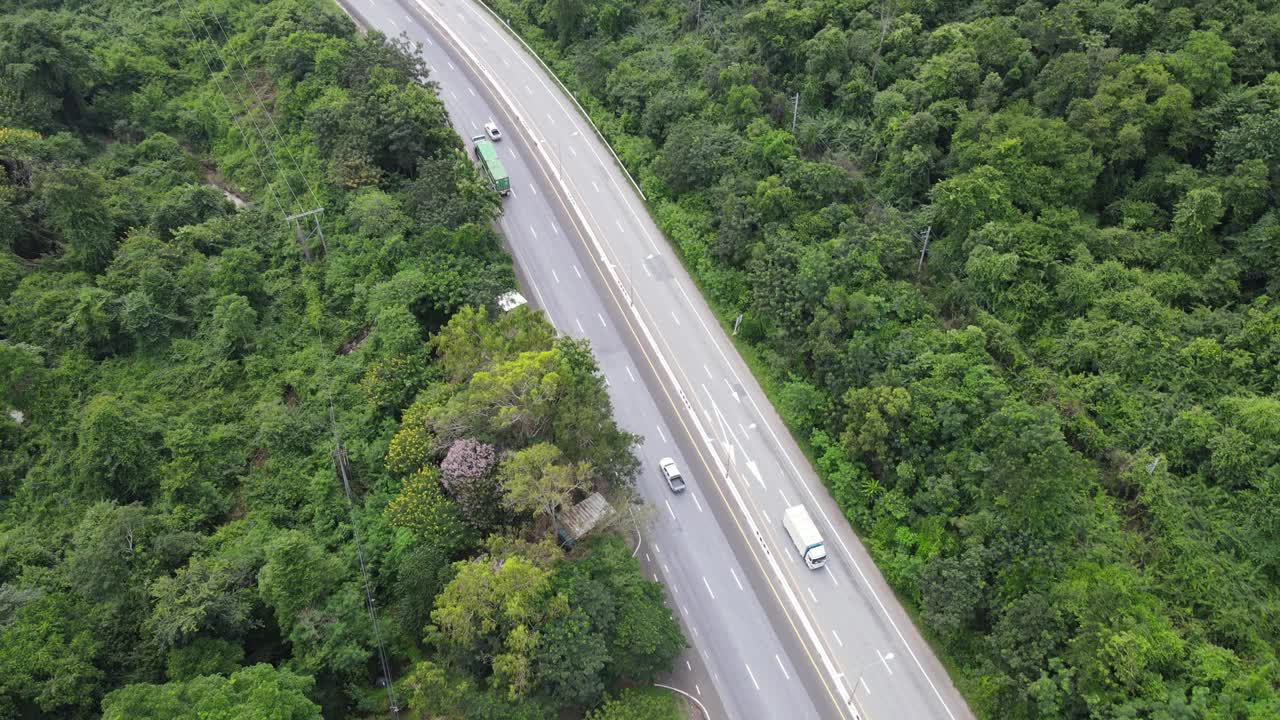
(206, 436)
(1014, 278)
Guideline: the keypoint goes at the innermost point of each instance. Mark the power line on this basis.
(297, 205)
(340, 462)
(339, 455)
(231, 113)
(262, 103)
(296, 218)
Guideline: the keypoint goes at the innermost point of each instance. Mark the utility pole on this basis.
(303, 236)
(795, 112)
(924, 249)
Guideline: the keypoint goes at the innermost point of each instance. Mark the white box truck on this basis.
(804, 535)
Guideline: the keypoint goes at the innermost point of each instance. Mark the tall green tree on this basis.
(535, 481)
(257, 691)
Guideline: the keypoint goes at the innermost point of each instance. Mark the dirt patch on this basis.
(214, 179)
(290, 397)
(349, 346)
(258, 458)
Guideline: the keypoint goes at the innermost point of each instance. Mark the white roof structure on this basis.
(510, 301)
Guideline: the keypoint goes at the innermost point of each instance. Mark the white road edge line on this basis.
(705, 713)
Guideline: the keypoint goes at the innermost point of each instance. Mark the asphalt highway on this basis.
(771, 638)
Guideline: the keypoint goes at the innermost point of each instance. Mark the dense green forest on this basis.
(176, 378)
(1012, 269)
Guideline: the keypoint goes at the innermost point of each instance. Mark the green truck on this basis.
(487, 154)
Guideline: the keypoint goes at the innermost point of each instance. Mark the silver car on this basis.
(671, 474)
(492, 131)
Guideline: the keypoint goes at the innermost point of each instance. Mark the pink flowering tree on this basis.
(468, 474)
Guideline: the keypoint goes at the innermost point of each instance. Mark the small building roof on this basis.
(583, 517)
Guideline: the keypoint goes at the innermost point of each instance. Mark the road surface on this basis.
(771, 638)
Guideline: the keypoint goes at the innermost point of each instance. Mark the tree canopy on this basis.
(219, 448)
(1010, 270)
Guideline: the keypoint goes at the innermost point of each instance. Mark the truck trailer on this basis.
(804, 535)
